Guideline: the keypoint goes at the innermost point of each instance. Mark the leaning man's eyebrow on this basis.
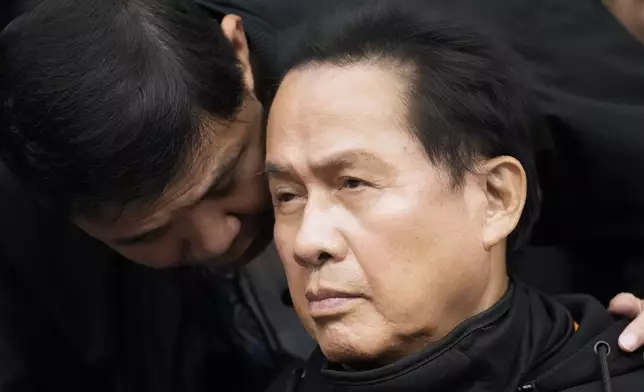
(224, 171)
(221, 177)
(139, 237)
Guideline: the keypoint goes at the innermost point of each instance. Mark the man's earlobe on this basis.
(233, 29)
(506, 190)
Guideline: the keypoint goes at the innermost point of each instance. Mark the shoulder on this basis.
(591, 360)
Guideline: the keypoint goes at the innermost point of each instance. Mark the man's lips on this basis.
(321, 294)
(327, 301)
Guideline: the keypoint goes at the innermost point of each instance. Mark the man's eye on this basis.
(352, 183)
(147, 238)
(284, 197)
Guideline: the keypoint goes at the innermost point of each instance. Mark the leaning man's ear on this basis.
(505, 188)
(233, 29)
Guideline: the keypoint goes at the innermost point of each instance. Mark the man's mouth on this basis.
(325, 302)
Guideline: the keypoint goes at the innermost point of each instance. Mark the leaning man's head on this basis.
(399, 165)
(139, 121)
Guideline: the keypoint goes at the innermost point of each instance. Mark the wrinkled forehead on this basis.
(323, 106)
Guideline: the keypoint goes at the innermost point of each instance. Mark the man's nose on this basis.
(211, 232)
(319, 239)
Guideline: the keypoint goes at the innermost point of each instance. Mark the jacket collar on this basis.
(489, 352)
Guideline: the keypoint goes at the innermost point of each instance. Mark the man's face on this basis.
(217, 214)
(381, 254)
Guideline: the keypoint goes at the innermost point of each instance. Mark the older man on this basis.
(401, 170)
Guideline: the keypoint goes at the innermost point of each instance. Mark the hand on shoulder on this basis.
(628, 305)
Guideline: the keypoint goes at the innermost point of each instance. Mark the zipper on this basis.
(531, 386)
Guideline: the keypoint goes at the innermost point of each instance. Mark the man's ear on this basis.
(505, 190)
(234, 30)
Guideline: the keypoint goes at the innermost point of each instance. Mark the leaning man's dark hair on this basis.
(103, 101)
(465, 100)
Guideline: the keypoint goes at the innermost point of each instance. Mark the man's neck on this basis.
(498, 281)
(480, 299)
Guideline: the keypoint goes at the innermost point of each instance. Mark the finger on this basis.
(633, 336)
(626, 304)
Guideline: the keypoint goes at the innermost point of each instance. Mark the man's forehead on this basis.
(331, 93)
(328, 116)
(335, 139)
(297, 119)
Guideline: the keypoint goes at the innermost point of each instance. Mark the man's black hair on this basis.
(465, 99)
(103, 101)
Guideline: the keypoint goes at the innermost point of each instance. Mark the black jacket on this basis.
(526, 342)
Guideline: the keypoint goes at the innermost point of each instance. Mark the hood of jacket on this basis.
(526, 342)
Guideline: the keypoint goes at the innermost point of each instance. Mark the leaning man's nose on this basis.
(214, 237)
